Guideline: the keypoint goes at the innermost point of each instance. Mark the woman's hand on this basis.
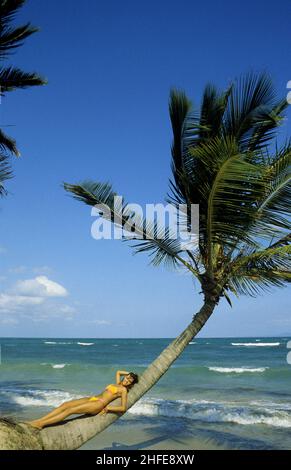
(104, 411)
(118, 375)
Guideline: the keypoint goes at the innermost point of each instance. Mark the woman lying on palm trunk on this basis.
(92, 405)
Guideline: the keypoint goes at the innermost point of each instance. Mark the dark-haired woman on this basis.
(92, 405)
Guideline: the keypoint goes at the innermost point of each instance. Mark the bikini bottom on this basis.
(96, 399)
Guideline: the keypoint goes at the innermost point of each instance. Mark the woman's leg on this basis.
(61, 408)
(85, 408)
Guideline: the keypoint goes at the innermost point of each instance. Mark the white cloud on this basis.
(34, 299)
(18, 269)
(40, 286)
(100, 322)
(42, 270)
(12, 303)
(50, 310)
(67, 309)
(8, 321)
(281, 321)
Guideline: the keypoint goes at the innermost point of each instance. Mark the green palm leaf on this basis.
(13, 78)
(275, 207)
(10, 37)
(260, 270)
(160, 245)
(7, 143)
(253, 111)
(5, 173)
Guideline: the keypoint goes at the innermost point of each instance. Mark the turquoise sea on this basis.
(226, 393)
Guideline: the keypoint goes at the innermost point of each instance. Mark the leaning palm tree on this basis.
(13, 78)
(223, 159)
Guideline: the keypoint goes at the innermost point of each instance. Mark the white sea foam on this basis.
(192, 342)
(271, 406)
(58, 342)
(212, 412)
(65, 342)
(85, 344)
(50, 398)
(255, 344)
(54, 366)
(237, 370)
(282, 421)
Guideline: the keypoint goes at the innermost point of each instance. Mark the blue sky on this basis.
(103, 115)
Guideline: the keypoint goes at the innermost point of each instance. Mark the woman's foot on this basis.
(34, 424)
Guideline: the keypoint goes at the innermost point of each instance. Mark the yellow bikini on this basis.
(96, 399)
(112, 388)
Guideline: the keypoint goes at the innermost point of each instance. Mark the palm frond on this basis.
(283, 241)
(179, 108)
(278, 188)
(10, 37)
(228, 193)
(213, 108)
(8, 9)
(268, 118)
(5, 173)
(161, 246)
(260, 270)
(255, 283)
(273, 258)
(251, 105)
(8, 144)
(13, 78)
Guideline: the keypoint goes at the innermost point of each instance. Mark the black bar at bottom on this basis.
(125, 459)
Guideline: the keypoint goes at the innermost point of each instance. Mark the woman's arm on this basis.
(122, 408)
(119, 373)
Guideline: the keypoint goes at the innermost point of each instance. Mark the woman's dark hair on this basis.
(134, 376)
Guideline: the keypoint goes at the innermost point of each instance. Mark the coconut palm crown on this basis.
(225, 158)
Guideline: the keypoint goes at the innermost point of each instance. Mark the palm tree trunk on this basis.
(72, 434)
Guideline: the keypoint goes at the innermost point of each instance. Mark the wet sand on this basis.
(132, 436)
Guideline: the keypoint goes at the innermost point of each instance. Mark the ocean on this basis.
(231, 393)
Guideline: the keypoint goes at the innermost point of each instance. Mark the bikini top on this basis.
(112, 388)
